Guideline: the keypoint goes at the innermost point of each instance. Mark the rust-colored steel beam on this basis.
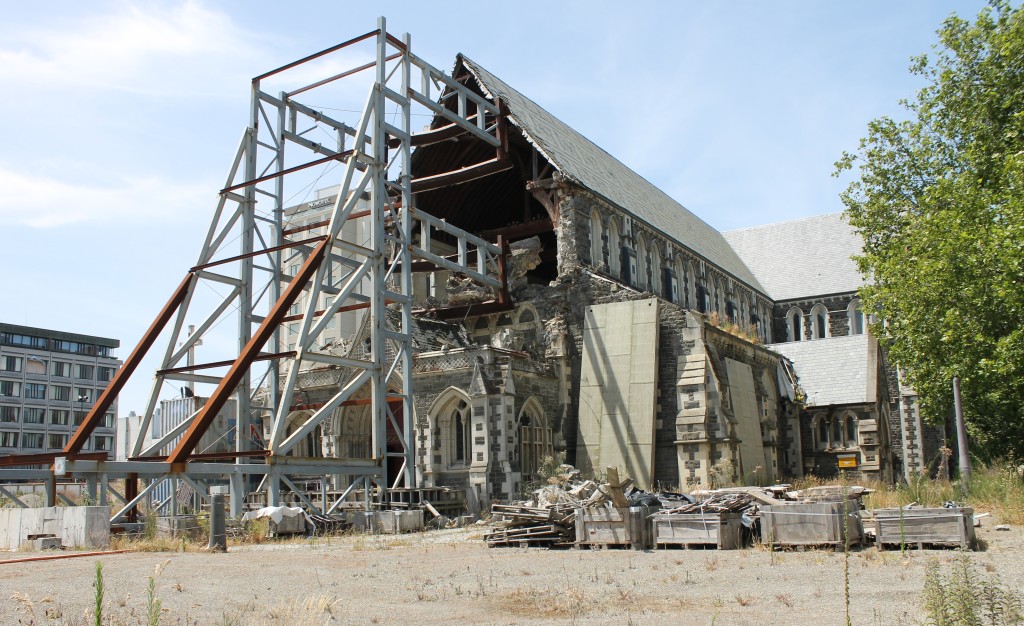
(464, 175)
(46, 458)
(249, 353)
(266, 356)
(317, 55)
(331, 79)
(249, 183)
(122, 375)
(283, 246)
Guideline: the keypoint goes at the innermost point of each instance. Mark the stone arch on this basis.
(795, 324)
(820, 432)
(819, 322)
(855, 317)
(449, 439)
(534, 437)
(849, 423)
(312, 444)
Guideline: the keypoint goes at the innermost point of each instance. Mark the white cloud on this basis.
(43, 202)
(143, 49)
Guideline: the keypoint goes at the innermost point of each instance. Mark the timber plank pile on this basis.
(532, 526)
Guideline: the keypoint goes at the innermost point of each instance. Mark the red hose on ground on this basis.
(51, 557)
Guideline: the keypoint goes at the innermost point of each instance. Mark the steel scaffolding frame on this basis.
(376, 156)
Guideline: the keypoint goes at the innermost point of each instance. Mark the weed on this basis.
(98, 611)
(711, 563)
(963, 596)
(153, 603)
(785, 599)
(744, 600)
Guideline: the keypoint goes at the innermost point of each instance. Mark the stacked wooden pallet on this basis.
(523, 525)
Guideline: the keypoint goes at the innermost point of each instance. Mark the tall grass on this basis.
(995, 489)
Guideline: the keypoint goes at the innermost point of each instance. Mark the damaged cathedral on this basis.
(633, 334)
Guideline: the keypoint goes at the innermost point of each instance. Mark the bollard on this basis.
(218, 534)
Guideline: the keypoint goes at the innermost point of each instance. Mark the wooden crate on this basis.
(921, 527)
(722, 530)
(812, 524)
(615, 527)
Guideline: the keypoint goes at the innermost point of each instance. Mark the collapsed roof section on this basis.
(493, 203)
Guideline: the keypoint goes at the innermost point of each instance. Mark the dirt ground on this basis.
(451, 577)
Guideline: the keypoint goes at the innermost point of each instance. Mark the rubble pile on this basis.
(716, 503)
(549, 518)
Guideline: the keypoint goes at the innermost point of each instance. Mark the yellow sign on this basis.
(847, 461)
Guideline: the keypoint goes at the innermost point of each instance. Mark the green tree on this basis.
(939, 200)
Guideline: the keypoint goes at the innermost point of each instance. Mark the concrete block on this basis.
(47, 543)
(85, 526)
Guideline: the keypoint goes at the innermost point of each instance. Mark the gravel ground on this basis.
(447, 577)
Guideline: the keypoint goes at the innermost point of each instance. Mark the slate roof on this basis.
(802, 258)
(834, 370)
(583, 162)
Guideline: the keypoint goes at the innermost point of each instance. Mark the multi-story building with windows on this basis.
(49, 381)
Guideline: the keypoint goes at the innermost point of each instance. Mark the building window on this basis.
(534, 439)
(856, 318)
(57, 441)
(691, 286)
(596, 244)
(105, 374)
(11, 389)
(656, 269)
(482, 331)
(850, 426)
(730, 312)
(461, 444)
(108, 421)
(8, 440)
(640, 280)
(819, 426)
(452, 441)
(83, 394)
(819, 322)
(8, 413)
(102, 444)
(31, 441)
(10, 364)
(59, 417)
(14, 339)
(80, 417)
(84, 372)
(35, 391)
(702, 299)
(36, 366)
(60, 369)
(795, 324)
(60, 392)
(33, 415)
(614, 249)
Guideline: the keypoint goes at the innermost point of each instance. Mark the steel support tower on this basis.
(243, 260)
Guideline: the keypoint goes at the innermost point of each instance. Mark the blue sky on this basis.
(120, 118)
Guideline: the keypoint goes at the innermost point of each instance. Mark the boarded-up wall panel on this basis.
(618, 387)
